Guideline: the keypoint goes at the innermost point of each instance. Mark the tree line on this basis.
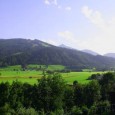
(53, 96)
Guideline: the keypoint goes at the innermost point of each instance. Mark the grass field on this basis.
(81, 77)
(31, 76)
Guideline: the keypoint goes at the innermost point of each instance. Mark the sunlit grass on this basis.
(81, 77)
(13, 73)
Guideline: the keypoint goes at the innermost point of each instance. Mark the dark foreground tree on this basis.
(16, 98)
(92, 93)
(52, 96)
(107, 84)
(50, 93)
(4, 93)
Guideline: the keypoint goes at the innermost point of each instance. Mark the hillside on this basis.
(26, 51)
(110, 55)
(64, 46)
(90, 52)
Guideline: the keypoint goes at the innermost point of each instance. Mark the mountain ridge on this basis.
(26, 51)
(64, 46)
(90, 52)
(110, 55)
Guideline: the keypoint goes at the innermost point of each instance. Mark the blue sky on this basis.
(81, 24)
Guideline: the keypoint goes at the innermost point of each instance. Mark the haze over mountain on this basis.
(90, 52)
(64, 46)
(85, 50)
(26, 51)
(110, 55)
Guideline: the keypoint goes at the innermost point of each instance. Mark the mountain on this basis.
(26, 51)
(110, 55)
(90, 52)
(64, 46)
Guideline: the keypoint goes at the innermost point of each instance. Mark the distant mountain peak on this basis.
(19, 51)
(64, 46)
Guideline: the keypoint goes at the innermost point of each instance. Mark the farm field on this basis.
(23, 76)
(13, 73)
(81, 77)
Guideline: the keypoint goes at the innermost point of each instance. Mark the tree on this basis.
(24, 66)
(50, 92)
(79, 95)
(4, 93)
(107, 78)
(92, 93)
(75, 83)
(6, 110)
(68, 98)
(28, 111)
(29, 93)
(107, 83)
(76, 111)
(16, 95)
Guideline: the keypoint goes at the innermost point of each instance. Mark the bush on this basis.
(24, 111)
(76, 111)
(85, 110)
(92, 110)
(95, 76)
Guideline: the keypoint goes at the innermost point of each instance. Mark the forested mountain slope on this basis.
(26, 51)
(90, 52)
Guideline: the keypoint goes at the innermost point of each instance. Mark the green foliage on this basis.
(79, 95)
(51, 91)
(75, 83)
(103, 107)
(58, 112)
(107, 84)
(97, 76)
(92, 93)
(87, 94)
(4, 93)
(107, 77)
(24, 111)
(52, 96)
(92, 110)
(76, 111)
(68, 98)
(85, 110)
(16, 96)
(100, 108)
(6, 110)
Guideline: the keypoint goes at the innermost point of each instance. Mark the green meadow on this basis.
(13, 73)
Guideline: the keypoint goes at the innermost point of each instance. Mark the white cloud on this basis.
(55, 2)
(49, 2)
(94, 16)
(104, 40)
(69, 37)
(59, 6)
(98, 43)
(68, 8)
